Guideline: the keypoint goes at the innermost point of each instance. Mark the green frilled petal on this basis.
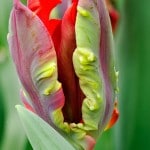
(87, 65)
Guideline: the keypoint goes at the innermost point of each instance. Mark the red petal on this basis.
(113, 13)
(114, 117)
(43, 8)
(114, 17)
(73, 94)
(54, 29)
(34, 5)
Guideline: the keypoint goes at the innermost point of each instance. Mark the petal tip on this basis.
(16, 3)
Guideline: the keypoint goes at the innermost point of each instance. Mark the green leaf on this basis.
(2, 114)
(41, 135)
(9, 86)
(134, 68)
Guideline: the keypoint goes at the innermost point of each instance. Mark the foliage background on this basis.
(132, 42)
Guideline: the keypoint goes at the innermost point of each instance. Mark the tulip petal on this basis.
(25, 101)
(43, 9)
(86, 63)
(73, 98)
(89, 143)
(114, 117)
(93, 63)
(35, 59)
(54, 29)
(106, 59)
(63, 7)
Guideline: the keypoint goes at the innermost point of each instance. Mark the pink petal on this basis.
(106, 58)
(35, 58)
(25, 101)
(43, 8)
(89, 142)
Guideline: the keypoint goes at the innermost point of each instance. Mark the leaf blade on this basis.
(41, 135)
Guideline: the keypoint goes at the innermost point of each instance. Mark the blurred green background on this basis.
(132, 52)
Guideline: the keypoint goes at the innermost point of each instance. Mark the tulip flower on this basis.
(66, 66)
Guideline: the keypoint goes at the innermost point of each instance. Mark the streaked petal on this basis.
(43, 8)
(35, 58)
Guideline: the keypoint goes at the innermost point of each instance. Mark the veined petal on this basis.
(35, 58)
(43, 8)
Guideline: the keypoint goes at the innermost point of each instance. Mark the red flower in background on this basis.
(113, 13)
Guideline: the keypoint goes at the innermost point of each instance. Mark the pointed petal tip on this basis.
(25, 101)
(17, 107)
(20, 109)
(114, 117)
(16, 3)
